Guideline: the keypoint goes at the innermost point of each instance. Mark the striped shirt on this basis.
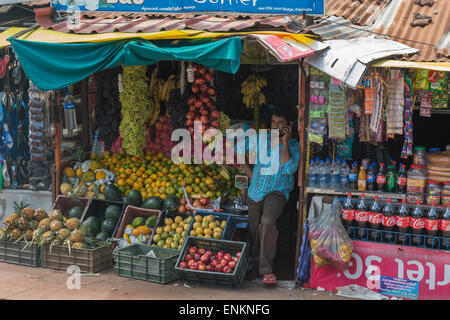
(282, 181)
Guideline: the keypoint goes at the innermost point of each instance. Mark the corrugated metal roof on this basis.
(361, 12)
(337, 28)
(97, 22)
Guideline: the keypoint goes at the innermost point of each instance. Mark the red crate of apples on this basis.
(206, 260)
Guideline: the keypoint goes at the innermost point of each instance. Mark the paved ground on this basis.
(27, 283)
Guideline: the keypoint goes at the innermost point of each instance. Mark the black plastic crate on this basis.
(166, 214)
(20, 253)
(399, 238)
(97, 209)
(229, 280)
(132, 262)
(228, 231)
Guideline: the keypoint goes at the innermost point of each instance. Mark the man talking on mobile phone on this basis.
(269, 194)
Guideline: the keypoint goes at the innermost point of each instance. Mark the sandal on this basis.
(269, 279)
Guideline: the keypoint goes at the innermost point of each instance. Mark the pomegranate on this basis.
(215, 114)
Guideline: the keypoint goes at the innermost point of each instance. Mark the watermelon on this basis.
(92, 226)
(102, 236)
(112, 193)
(155, 203)
(171, 203)
(134, 198)
(108, 227)
(113, 212)
(76, 212)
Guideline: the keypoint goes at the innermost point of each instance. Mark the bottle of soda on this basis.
(417, 225)
(348, 214)
(389, 221)
(403, 223)
(361, 218)
(391, 179)
(401, 179)
(371, 178)
(381, 178)
(444, 223)
(353, 177)
(431, 226)
(375, 220)
(362, 179)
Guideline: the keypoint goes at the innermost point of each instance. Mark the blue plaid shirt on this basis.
(282, 181)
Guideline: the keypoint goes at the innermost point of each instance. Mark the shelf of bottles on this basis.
(344, 192)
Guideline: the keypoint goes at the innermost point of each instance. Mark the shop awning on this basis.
(57, 65)
(347, 60)
(438, 66)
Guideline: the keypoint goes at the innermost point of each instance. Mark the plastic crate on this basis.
(88, 260)
(132, 262)
(166, 214)
(229, 229)
(230, 280)
(15, 253)
(132, 212)
(395, 238)
(65, 204)
(97, 209)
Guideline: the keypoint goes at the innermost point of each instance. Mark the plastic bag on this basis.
(330, 243)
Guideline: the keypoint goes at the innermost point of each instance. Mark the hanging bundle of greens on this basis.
(135, 108)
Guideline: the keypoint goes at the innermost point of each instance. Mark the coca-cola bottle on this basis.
(403, 223)
(348, 214)
(401, 179)
(381, 178)
(361, 218)
(444, 226)
(375, 220)
(431, 226)
(417, 225)
(389, 221)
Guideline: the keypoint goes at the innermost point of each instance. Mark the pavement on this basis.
(29, 283)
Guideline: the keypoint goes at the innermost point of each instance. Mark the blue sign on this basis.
(288, 7)
(398, 287)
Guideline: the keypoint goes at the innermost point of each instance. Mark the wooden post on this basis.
(57, 166)
(302, 117)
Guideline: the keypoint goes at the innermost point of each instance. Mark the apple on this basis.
(227, 256)
(214, 263)
(238, 254)
(201, 267)
(201, 251)
(223, 262)
(192, 251)
(218, 268)
(191, 262)
(232, 264)
(203, 87)
(195, 88)
(220, 253)
(209, 253)
(215, 114)
(236, 259)
(197, 256)
(209, 267)
(227, 269)
(204, 258)
(199, 81)
(188, 257)
(194, 266)
(183, 265)
(203, 201)
(198, 104)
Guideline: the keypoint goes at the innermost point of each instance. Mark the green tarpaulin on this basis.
(54, 65)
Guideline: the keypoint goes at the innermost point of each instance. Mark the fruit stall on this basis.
(375, 158)
(121, 198)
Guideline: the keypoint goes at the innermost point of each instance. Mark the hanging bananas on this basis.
(159, 93)
(251, 91)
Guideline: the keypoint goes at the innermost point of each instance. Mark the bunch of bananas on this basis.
(159, 92)
(224, 122)
(251, 90)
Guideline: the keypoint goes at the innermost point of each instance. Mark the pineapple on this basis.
(48, 237)
(44, 224)
(28, 213)
(33, 224)
(55, 225)
(63, 234)
(56, 215)
(72, 223)
(22, 223)
(4, 232)
(80, 245)
(15, 234)
(18, 207)
(40, 214)
(77, 236)
(12, 219)
(29, 235)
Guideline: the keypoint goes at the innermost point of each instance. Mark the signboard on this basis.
(311, 7)
(395, 271)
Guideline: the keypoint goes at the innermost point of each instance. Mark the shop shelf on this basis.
(20, 253)
(343, 192)
(134, 262)
(88, 260)
(230, 280)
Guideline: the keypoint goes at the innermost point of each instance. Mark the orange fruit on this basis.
(122, 182)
